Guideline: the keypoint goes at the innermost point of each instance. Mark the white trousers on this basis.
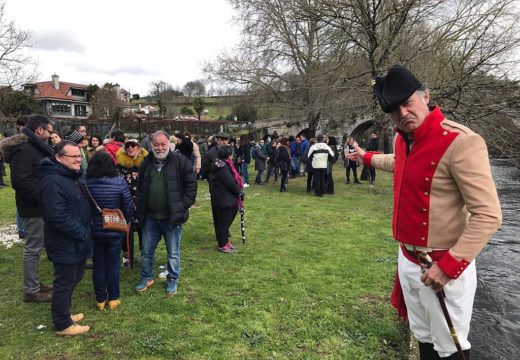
(425, 315)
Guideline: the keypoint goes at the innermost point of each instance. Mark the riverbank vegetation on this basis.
(312, 282)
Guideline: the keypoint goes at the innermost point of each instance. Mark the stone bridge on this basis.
(295, 125)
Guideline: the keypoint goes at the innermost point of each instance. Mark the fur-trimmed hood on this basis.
(7, 144)
(126, 161)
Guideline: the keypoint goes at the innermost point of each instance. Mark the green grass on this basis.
(312, 282)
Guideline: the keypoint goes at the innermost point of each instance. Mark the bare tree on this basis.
(163, 93)
(319, 56)
(194, 88)
(106, 102)
(16, 68)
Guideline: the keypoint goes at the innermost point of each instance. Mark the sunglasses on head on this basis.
(130, 145)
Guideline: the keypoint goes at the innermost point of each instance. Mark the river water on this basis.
(495, 326)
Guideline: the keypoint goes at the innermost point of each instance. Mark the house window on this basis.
(78, 92)
(80, 110)
(59, 108)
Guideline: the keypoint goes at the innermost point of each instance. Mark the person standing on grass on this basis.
(308, 165)
(260, 157)
(272, 161)
(244, 154)
(129, 159)
(350, 165)
(66, 213)
(445, 204)
(304, 149)
(373, 146)
(109, 192)
(319, 154)
(166, 188)
(24, 152)
(226, 197)
(284, 159)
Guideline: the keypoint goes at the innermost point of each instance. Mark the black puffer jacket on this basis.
(66, 214)
(180, 183)
(224, 187)
(24, 152)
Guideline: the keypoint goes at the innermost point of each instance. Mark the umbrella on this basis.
(242, 226)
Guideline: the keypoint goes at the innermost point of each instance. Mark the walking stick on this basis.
(426, 259)
(130, 248)
(242, 227)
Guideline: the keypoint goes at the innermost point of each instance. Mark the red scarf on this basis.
(237, 178)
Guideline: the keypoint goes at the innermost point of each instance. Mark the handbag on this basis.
(112, 219)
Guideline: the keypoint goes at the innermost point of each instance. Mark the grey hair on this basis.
(423, 89)
(160, 132)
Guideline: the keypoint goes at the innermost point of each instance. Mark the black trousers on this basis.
(320, 177)
(354, 172)
(66, 277)
(309, 181)
(222, 220)
(330, 183)
(372, 174)
(284, 179)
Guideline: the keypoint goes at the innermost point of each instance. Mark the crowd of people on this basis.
(63, 181)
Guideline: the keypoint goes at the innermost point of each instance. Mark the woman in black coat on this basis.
(110, 192)
(272, 161)
(226, 196)
(284, 160)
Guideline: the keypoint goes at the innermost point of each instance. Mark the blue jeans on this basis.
(244, 172)
(294, 165)
(152, 231)
(105, 267)
(258, 179)
(19, 223)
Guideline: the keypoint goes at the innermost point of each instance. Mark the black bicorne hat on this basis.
(395, 88)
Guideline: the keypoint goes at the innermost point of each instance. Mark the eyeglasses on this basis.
(72, 156)
(50, 131)
(131, 145)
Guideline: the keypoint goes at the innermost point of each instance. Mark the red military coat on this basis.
(444, 195)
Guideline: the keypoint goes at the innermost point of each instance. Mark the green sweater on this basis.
(157, 201)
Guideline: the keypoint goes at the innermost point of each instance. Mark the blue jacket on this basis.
(304, 146)
(110, 193)
(66, 213)
(294, 149)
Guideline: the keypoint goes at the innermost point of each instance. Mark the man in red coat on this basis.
(445, 204)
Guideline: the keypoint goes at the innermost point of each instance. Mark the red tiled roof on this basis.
(47, 91)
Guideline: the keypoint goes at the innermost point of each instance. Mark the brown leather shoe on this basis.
(74, 329)
(77, 317)
(39, 297)
(45, 288)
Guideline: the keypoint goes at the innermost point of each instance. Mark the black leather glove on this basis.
(242, 195)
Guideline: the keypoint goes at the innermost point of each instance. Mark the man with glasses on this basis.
(24, 152)
(67, 217)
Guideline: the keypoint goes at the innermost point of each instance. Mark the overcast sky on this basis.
(129, 42)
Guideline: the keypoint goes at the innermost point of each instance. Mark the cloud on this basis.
(58, 40)
(130, 70)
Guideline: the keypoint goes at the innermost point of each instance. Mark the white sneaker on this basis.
(163, 274)
(246, 185)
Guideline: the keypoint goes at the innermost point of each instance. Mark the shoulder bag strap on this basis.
(89, 194)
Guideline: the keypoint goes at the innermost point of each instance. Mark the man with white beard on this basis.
(166, 188)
